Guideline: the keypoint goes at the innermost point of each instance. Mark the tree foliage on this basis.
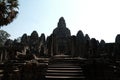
(8, 11)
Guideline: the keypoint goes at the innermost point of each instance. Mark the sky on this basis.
(98, 18)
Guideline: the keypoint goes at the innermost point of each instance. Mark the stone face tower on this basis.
(61, 30)
(60, 38)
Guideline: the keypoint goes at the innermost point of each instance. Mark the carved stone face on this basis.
(62, 34)
(61, 23)
(61, 30)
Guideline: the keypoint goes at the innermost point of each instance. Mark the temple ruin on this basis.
(60, 55)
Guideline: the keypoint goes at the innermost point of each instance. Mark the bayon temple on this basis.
(60, 55)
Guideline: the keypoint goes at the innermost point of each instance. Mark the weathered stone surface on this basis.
(61, 42)
(34, 42)
(61, 38)
(87, 46)
(24, 39)
(117, 40)
(101, 48)
(100, 57)
(9, 43)
(61, 30)
(73, 46)
(80, 43)
(93, 47)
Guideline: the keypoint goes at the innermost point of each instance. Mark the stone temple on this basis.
(60, 55)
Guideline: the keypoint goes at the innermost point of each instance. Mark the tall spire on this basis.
(61, 23)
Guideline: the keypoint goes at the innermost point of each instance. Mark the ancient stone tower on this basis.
(61, 38)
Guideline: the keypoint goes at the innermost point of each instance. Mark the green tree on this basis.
(3, 37)
(8, 11)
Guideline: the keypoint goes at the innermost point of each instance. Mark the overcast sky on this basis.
(98, 18)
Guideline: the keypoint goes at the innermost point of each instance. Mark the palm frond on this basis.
(8, 11)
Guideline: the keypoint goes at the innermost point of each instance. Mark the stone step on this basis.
(65, 68)
(65, 60)
(64, 77)
(64, 65)
(1, 73)
(64, 71)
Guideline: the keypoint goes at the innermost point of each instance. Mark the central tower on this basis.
(61, 30)
(61, 36)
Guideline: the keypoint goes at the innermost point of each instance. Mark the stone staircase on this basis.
(64, 67)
